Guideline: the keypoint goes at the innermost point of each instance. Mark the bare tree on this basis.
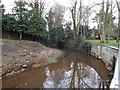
(80, 18)
(39, 5)
(110, 22)
(118, 30)
(73, 10)
(55, 15)
(104, 20)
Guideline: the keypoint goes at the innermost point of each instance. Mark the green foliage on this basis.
(25, 21)
(68, 31)
(20, 16)
(81, 45)
(8, 22)
(57, 35)
(85, 29)
(55, 25)
(37, 25)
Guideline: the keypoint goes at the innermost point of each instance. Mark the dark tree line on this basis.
(24, 21)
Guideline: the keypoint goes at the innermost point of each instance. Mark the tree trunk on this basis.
(103, 36)
(118, 30)
(74, 33)
(84, 25)
(74, 19)
(79, 18)
(20, 35)
(105, 17)
(110, 24)
(79, 74)
(81, 28)
(103, 31)
(78, 29)
(103, 25)
(72, 84)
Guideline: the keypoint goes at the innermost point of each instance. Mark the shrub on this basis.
(81, 46)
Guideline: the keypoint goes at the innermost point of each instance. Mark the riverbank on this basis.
(17, 56)
(73, 70)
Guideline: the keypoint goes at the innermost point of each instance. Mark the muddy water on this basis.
(73, 70)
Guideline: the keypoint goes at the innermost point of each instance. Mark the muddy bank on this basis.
(17, 56)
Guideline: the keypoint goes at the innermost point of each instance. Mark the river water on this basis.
(74, 70)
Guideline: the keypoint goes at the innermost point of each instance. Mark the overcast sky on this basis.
(10, 3)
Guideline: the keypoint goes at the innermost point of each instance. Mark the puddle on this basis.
(75, 70)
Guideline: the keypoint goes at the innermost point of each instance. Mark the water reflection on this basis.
(78, 75)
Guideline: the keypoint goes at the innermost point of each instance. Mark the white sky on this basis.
(9, 5)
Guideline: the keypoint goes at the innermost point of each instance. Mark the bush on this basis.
(81, 46)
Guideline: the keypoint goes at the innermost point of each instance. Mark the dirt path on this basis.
(17, 56)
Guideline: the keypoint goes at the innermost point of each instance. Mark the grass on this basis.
(11, 40)
(110, 43)
(94, 41)
(1, 39)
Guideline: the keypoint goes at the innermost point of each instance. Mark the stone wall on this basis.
(104, 52)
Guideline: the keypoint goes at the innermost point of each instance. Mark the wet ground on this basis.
(72, 71)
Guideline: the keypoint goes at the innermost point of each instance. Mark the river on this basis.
(74, 70)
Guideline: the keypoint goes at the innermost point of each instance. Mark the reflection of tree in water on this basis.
(77, 76)
(84, 76)
(53, 78)
(57, 78)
